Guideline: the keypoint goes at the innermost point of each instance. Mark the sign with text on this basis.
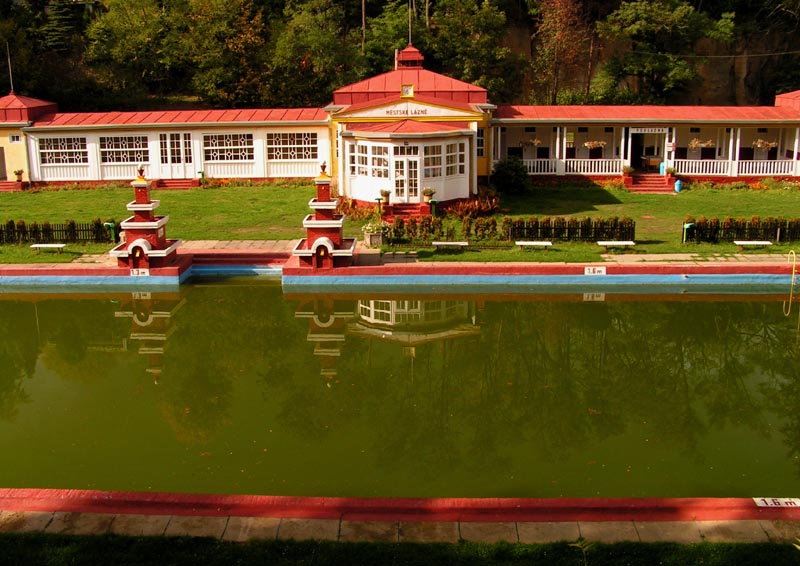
(648, 130)
(140, 273)
(777, 501)
(410, 110)
(594, 270)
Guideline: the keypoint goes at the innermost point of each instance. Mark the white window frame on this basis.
(228, 147)
(124, 149)
(291, 146)
(455, 159)
(63, 151)
(380, 161)
(432, 161)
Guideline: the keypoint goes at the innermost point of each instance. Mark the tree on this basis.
(562, 37)
(227, 43)
(658, 39)
(467, 38)
(129, 45)
(315, 53)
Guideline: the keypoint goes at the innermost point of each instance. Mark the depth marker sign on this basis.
(776, 501)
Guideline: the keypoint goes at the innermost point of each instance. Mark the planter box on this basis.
(372, 240)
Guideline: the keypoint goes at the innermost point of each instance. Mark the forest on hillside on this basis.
(133, 54)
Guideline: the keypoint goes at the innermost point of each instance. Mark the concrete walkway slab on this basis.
(489, 532)
(140, 525)
(683, 532)
(782, 531)
(242, 529)
(305, 529)
(429, 532)
(24, 521)
(535, 533)
(732, 531)
(80, 523)
(609, 532)
(181, 526)
(369, 531)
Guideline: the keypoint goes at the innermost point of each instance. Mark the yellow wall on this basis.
(15, 153)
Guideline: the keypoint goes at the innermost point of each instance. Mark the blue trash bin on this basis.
(662, 168)
(678, 186)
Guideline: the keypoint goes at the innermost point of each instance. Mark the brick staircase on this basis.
(651, 183)
(176, 184)
(11, 186)
(405, 211)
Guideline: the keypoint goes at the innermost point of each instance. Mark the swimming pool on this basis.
(237, 388)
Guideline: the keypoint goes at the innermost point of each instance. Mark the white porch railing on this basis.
(541, 166)
(782, 168)
(593, 166)
(709, 167)
(65, 173)
(308, 168)
(122, 172)
(230, 170)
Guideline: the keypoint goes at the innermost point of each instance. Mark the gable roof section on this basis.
(648, 114)
(183, 118)
(426, 84)
(396, 98)
(18, 109)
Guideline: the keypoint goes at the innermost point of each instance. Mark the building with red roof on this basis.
(400, 132)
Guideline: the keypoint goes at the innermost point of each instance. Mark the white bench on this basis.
(624, 244)
(528, 244)
(752, 244)
(450, 245)
(57, 247)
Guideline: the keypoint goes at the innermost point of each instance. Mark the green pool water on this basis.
(240, 389)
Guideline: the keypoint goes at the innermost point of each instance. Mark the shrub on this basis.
(510, 176)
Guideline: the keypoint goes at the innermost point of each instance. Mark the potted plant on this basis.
(18, 173)
(427, 194)
(385, 195)
(669, 174)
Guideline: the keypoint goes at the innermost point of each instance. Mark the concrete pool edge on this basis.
(408, 509)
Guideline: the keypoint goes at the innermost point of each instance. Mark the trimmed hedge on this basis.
(569, 228)
(69, 232)
(712, 230)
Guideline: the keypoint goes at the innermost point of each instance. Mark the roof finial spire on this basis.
(409, 22)
(10, 75)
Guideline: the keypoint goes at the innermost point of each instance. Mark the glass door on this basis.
(406, 174)
(176, 155)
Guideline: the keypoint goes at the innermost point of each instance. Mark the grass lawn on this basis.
(45, 550)
(263, 211)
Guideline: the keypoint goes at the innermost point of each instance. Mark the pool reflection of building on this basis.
(413, 322)
(407, 323)
(150, 318)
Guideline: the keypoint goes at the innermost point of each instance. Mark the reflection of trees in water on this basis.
(223, 334)
(18, 351)
(561, 377)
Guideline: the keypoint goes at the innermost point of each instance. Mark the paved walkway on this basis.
(234, 528)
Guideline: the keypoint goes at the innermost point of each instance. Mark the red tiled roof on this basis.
(426, 83)
(408, 127)
(180, 117)
(15, 108)
(648, 114)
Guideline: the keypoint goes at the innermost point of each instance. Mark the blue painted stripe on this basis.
(736, 283)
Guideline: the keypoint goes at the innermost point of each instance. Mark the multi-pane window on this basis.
(432, 161)
(456, 159)
(228, 147)
(480, 142)
(362, 160)
(290, 146)
(380, 161)
(124, 149)
(60, 151)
